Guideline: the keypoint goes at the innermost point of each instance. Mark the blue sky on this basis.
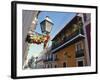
(59, 19)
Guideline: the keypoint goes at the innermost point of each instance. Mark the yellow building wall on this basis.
(69, 58)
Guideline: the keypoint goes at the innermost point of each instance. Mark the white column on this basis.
(86, 42)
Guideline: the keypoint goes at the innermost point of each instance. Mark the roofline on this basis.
(64, 27)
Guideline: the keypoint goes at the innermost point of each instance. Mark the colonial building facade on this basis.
(71, 46)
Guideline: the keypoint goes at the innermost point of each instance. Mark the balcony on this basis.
(50, 59)
(79, 53)
(69, 38)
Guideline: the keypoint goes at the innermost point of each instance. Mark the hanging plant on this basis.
(37, 38)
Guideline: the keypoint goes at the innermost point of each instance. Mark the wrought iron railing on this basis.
(75, 33)
(49, 59)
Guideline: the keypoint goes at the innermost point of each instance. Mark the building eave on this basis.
(54, 50)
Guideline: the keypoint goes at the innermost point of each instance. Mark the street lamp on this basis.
(46, 25)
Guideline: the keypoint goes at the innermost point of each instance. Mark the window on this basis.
(64, 64)
(79, 49)
(80, 63)
(55, 66)
(79, 46)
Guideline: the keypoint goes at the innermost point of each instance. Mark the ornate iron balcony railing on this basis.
(67, 38)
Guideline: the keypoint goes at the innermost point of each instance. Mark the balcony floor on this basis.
(67, 43)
